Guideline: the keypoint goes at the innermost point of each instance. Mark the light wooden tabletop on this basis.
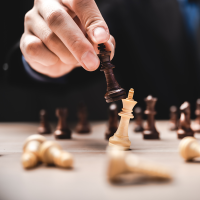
(87, 181)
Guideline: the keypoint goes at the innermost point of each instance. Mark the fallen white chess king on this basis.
(121, 162)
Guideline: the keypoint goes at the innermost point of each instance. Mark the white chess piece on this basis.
(120, 138)
(30, 156)
(189, 148)
(52, 153)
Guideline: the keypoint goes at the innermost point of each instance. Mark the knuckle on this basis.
(32, 47)
(36, 2)
(83, 3)
(92, 21)
(50, 39)
(55, 17)
(27, 16)
(75, 44)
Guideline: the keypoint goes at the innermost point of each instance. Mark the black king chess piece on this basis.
(114, 91)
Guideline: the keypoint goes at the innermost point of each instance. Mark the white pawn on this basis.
(189, 148)
(120, 138)
(52, 153)
(30, 156)
(121, 162)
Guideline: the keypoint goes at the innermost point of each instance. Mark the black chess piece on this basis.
(184, 122)
(196, 125)
(83, 125)
(112, 121)
(44, 127)
(62, 130)
(150, 131)
(173, 124)
(114, 91)
(138, 119)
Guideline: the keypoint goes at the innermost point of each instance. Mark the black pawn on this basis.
(184, 122)
(173, 124)
(113, 121)
(44, 127)
(138, 119)
(150, 131)
(62, 130)
(83, 125)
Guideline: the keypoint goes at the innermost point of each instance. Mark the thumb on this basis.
(91, 18)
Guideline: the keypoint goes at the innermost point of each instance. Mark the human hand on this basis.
(63, 34)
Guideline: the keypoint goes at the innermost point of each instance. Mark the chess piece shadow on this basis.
(112, 122)
(184, 122)
(83, 124)
(150, 131)
(62, 130)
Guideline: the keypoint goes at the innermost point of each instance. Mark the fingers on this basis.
(60, 22)
(39, 28)
(33, 49)
(110, 46)
(91, 18)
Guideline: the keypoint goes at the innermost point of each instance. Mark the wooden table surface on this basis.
(87, 181)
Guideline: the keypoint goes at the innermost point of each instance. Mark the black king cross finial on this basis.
(114, 91)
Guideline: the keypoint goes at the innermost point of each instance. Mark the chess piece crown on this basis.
(121, 138)
(114, 90)
(121, 162)
(189, 148)
(30, 157)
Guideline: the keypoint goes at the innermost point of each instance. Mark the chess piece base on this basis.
(182, 133)
(115, 95)
(62, 134)
(120, 141)
(83, 129)
(138, 129)
(173, 127)
(42, 130)
(150, 135)
(196, 128)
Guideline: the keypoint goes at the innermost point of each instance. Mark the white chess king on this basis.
(120, 138)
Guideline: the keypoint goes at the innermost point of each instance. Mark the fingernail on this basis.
(90, 60)
(100, 35)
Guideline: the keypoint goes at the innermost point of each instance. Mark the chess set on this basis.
(120, 159)
(37, 149)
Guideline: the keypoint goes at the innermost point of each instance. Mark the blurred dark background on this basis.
(157, 53)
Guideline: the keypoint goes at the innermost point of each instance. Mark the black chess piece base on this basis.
(182, 133)
(138, 129)
(62, 134)
(149, 135)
